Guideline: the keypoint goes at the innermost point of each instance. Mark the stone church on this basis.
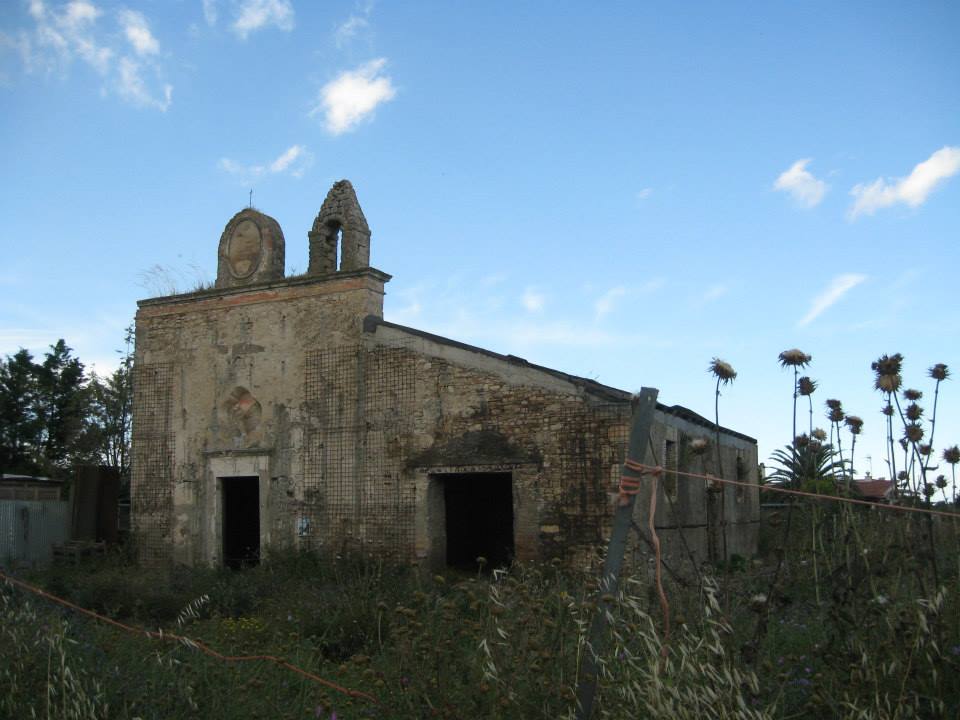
(276, 412)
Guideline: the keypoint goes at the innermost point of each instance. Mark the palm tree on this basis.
(808, 465)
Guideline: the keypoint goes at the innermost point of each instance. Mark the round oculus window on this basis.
(244, 249)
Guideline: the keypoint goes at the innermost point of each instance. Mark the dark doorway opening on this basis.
(241, 521)
(479, 519)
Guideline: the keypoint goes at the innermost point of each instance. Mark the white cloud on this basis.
(210, 12)
(806, 190)
(349, 28)
(644, 194)
(294, 161)
(132, 87)
(353, 95)
(255, 15)
(912, 190)
(74, 32)
(532, 300)
(838, 287)
(606, 302)
(286, 159)
(138, 33)
(714, 292)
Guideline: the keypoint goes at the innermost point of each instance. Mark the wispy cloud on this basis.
(714, 293)
(138, 33)
(806, 190)
(132, 87)
(606, 302)
(253, 15)
(532, 300)
(644, 194)
(210, 13)
(295, 161)
(839, 286)
(354, 95)
(76, 31)
(912, 190)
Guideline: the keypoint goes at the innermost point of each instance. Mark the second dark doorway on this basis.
(479, 519)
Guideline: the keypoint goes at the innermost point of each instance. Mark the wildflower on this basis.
(820, 434)
(912, 395)
(887, 369)
(855, 423)
(794, 358)
(806, 386)
(939, 372)
(722, 370)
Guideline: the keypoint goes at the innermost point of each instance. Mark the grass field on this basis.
(863, 621)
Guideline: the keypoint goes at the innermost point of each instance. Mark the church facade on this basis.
(276, 412)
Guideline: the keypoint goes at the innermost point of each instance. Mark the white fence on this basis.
(30, 528)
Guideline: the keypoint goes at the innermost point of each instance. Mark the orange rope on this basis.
(160, 635)
(638, 467)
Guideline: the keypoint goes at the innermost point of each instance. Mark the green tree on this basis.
(19, 424)
(112, 411)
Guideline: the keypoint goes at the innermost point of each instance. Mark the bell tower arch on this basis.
(340, 233)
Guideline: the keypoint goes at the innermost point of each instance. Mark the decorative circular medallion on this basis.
(244, 249)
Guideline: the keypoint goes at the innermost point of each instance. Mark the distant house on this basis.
(874, 489)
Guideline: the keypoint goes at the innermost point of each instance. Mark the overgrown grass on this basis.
(875, 639)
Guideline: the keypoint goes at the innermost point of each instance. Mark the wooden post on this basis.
(644, 404)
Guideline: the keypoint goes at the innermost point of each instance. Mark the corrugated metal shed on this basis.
(30, 528)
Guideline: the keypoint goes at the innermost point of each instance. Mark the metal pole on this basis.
(644, 403)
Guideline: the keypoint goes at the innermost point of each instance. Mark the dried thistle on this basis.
(925, 450)
(833, 404)
(806, 386)
(939, 372)
(913, 432)
(801, 440)
(722, 370)
(912, 395)
(855, 423)
(928, 490)
(941, 481)
(794, 358)
(914, 412)
(836, 413)
(887, 369)
(887, 410)
(952, 455)
(819, 433)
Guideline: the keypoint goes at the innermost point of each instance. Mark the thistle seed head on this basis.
(794, 358)
(806, 386)
(722, 370)
(952, 455)
(939, 372)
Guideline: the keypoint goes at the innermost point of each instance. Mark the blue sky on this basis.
(621, 191)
